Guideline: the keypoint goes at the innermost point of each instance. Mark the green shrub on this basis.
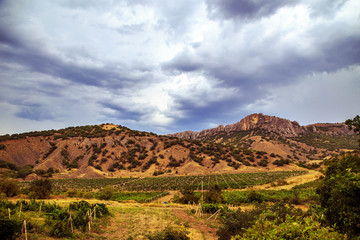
(234, 222)
(10, 229)
(40, 189)
(60, 229)
(214, 195)
(9, 187)
(188, 196)
(253, 196)
(291, 228)
(106, 193)
(340, 194)
(170, 233)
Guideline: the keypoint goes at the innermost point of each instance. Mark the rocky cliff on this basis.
(279, 126)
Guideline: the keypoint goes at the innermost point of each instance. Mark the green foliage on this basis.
(106, 193)
(188, 196)
(9, 186)
(263, 163)
(254, 196)
(329, 142)
(170, 233)
(8, 165)
(138, 196)
(24, 171)
(10, 229)
(354, 124)
(291, 228)
(52, 148)
(297, 196)
(340, 193)
(214, 195)
(236, 222)
(213, 208)
(40, 189)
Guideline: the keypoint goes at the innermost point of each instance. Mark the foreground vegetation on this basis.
(36, 218)
(332, 206)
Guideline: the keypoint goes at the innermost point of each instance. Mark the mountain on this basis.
(270, 124)
(256, 143)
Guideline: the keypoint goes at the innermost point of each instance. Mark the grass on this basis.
(134, 221)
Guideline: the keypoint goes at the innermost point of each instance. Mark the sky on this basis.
(167, 66)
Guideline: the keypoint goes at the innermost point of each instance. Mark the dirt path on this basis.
(166, 198)
(202, 230)
(292, 181)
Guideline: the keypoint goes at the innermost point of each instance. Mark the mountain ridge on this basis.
(256, 143)
(272, 124)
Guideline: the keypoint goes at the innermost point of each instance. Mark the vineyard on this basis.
(288, 196)
(195, 182)
(140, 197)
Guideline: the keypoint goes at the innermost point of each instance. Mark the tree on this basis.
(106, 193)
(340, 194)
(354, 124)
(9, 186)
(188, 196)
(214, 195)
(40, 189)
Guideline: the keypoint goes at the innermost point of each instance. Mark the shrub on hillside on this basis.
(40, 189)
(9, 187)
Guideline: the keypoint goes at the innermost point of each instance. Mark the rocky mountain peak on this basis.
(258, 121)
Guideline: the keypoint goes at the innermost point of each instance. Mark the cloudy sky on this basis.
(168, 66)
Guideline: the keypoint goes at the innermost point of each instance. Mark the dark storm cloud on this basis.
(35, 112)
(255, 9)
(172, 65)
(184, 62)
(247, 9)
(122, 111)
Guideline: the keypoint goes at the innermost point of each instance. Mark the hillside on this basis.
(288, 139)
(256, 143)
(116, 151)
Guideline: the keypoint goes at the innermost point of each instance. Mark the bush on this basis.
(236, 222)
(106, 193)
(340, 194)
(213, 208)
(291, 228)
(188, 196)
(40, 189)
(9, 186)
(214, 195)
(24, 171)
(10, 229)
(170, 233)
(253, 196)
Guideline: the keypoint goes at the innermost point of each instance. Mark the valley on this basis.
(192, 185)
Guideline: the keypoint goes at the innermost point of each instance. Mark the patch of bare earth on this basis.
(197, 228)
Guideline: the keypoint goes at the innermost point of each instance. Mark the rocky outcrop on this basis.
(279, 126)
(332, 129)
